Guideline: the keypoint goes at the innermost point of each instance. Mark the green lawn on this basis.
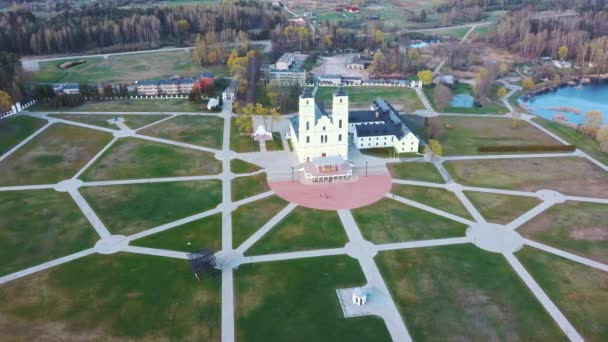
(579, 291)
(276, 144)
(197, 130)
(404, 99)
(244, 187)
(457, 33)
(38, 226)
(240, 142)
(248, 218)
(574, 137)
(296, 301)
(494, 107)
(578, 227)
(435, 197)
(239, 166)
(17, 128)
(390, 221)
(387, 152)
(499, 208)
(132, 121)
(54, 155)
(119, 297)
(303, 229)
(464, 135)
(426, 172)
(461, 293)
(130, 105)
(132, 158)
(128, 209)
(191, 237)
(584, 178)
(124, 68)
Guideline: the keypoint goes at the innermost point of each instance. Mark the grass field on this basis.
(494, 107)
(276, 144)
(464, 135)
(435, 197)
(579, 291)
(584, 178)
(583, 142)
(38, 226)
(390, 221)
(127, 209)
(461, 293)
(426, 172)
(302, 302)
(197, 130)
(387, 152)
(191, 237)
(578, 227)
(248, 218)
(457, 33)
(303, 229)
(132, 121)
(499, 208)
(404, 99)
(241, 142)
(131, 158)
(244, 187)
(124, 68)
(239, 166)
(54, 155)
(17, 128)
(110, 298)
(129, 105)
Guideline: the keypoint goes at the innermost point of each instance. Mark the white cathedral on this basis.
(321, 140)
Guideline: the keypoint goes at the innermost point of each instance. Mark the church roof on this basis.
(376, 130)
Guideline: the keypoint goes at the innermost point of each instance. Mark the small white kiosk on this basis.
(359, 296)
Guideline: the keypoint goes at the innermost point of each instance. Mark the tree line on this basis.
(97, 26)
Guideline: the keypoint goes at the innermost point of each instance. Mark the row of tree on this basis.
(211, 48)
(92, 27)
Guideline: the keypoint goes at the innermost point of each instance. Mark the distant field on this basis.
(160, 105)
(125, 68)
(404, 99)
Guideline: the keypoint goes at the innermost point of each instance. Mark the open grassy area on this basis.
(244, 187)
(248, 218)
(464, 135)
(387, 152)
(390, 221)
(17, 128)
(132, 121)
(131, 158)
(577, 227)
(107, 298)
(571, 135)
(404, 99)
(461, 293)
(499, 208)
(435, 197)
(239, 166)
(130, 105)
(197, 130)
(127, 209)
(38, 226)
(54, 155)
(495, 106)
(276, 144)
(125, 68)
(457, 33)
(579, 291)
(240, 142)
(426, 172)
(302, 302)
(583, 177)
(191, 237)
(303, 229)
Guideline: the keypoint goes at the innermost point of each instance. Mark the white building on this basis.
(359, 296)
(285, 61)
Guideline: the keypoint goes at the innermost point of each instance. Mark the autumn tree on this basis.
(528, 83)
(426, 76)
(483, 81)
(602, 138)
(502, 92)
(5, 102)
(593, 122)
(442, 97)
(434, 147)
(562, 53)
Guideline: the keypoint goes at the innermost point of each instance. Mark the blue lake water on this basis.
(463, 101)
(584, 98)
(423, 43)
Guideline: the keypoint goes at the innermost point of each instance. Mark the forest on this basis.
(97, 27)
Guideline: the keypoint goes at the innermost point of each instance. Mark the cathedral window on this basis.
(307, 125)
(307, 139)
(339, 137)
(339, 123)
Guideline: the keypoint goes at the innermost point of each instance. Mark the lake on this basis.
(583, 98)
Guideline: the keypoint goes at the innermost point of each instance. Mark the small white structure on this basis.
(261, 134)
(359, 296)
(230, 92)
(213, 103)
(562, 64)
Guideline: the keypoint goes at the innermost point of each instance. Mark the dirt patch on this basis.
(590, 233)
(337, 65)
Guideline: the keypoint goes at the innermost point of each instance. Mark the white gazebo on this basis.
(359, 296)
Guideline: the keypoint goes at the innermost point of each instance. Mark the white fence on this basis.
(16, 108)
(136, 97)
(406, 84)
